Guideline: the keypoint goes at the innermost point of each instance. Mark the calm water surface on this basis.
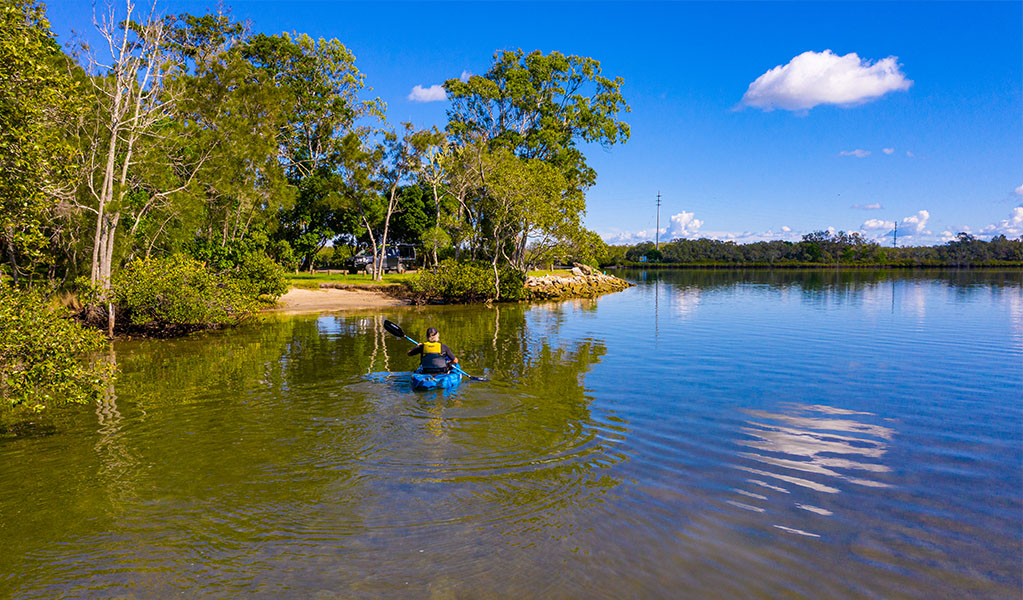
(703, 434)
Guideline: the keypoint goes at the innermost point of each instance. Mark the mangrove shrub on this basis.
(41, 352)
(179, 292)
(465, 282)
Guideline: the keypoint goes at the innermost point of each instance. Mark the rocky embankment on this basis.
(584, 283)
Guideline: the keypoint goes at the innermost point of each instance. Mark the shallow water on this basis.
(704, 434)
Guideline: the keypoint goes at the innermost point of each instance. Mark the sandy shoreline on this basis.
(299, 300)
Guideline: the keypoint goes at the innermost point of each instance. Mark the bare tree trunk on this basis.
(106, 195)
(11, 257)
(134, 88)
(372, 240)
(378, 274)
(497, 276)
(436, 204)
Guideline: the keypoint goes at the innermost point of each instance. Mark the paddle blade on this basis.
(464, 374)
(393, 328)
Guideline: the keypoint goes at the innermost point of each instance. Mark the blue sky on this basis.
(922, 127)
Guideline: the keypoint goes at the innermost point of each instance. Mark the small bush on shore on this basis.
(262, 276)
(465, 282)
(181, 293)
(41, 352)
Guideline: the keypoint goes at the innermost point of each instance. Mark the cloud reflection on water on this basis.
(813, 447)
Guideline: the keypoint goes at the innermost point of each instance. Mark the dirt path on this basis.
(299, 300)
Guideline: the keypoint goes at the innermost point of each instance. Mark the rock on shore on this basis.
(584, 283)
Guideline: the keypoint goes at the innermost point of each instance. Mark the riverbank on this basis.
(328, 299)
(935, 265)
(582, 283)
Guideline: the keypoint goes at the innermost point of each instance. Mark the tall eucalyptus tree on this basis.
(540, 108)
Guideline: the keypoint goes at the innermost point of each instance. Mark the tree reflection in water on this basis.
(519, 452)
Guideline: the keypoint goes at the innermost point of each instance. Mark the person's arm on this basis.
(450, 356)
(417, 350)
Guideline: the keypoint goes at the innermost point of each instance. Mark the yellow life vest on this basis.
(431, 347)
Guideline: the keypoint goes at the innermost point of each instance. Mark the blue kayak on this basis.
(432, 381)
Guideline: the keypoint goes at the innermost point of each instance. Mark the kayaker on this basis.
(436, 357)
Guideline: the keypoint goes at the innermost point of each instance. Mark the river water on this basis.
(705, 434)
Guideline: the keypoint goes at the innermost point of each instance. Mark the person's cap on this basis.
(431, 331)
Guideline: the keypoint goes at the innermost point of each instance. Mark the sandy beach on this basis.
(299, 300)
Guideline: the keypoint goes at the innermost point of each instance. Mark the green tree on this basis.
(322, 140)
(137, 158)
(540, 107)
(38, 103)
(234, 113)
(536, 108)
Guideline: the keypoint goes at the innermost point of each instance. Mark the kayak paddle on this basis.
(395, 329)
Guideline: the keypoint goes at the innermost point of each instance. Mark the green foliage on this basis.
(411, 220)
(180, 293)
(654, 255)
(320, 139)
(827, 248)
(539, 106)
(465, 282)
(261, 276)
(516, 165)
(247, 261)
(38, 103)
(436, 237)
(41, 352)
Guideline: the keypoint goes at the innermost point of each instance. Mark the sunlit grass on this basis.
(312, 281)
(556, 272)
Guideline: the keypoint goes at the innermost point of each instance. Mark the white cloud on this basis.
(888, 151)
(743, 237)
(910, 154)
(1011, 228)
(465, 75)
(857, 153)
(918, 222)
(877, 224)
(629, 237)
(874, 206)
(683, 225)
(434, 93)
(1018, 191)
(815, 78)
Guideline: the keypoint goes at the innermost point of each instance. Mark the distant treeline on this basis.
(822, 248)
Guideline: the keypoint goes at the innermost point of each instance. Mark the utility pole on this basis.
(657, 233)
(895, 236)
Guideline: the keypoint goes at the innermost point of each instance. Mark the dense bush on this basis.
(250, 260)
(41, 352)
(261, 276)
(179, 292)
(465, 281)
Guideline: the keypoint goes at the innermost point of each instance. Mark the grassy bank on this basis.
(556, 272)
(312, 281)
